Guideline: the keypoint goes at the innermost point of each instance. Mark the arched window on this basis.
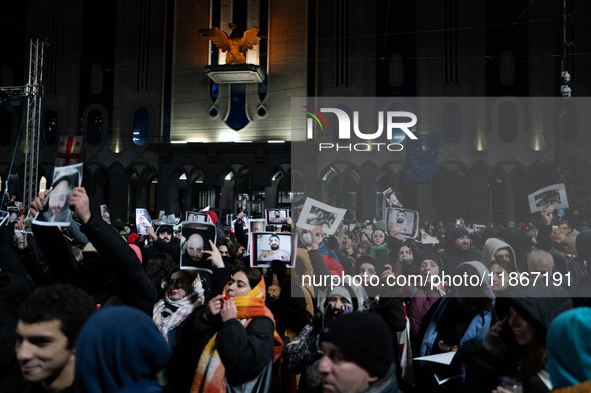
(42, 184)
(141, 126)
(152, 193)
(94, 130)
(331, 187)
(398, 135)
(50, 125)
(284, 192)
(383, 182)
(451, 122)
(508, 122)
(202, 195)
(5, 128)
(351, 197)
(497, 198)
(335, 122)
(571, 121)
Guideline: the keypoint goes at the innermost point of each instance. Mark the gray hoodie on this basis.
(491, 247)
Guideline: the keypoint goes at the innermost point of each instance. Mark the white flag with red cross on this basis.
(68, 150)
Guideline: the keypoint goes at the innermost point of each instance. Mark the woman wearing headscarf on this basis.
(515, 345)
(241, 341)
(175, 317)
(119, 350)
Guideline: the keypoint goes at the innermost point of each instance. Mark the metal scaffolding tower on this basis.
(33, 90)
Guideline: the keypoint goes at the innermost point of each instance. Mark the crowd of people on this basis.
(95, 307)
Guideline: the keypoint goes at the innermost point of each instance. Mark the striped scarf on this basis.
(210, 376)
(185, 307)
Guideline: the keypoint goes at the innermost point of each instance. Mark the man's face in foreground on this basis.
(42, 351)
(340, 374)
(165, 235)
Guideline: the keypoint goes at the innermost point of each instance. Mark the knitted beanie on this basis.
(363, 337)
(458, 233)
(341, 291)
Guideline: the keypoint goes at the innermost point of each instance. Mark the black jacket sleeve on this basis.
(173, 248)
(246, 351)
(123, 262)
(57, 253)
(240, 235)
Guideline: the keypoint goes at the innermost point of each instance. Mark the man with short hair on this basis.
(399, 224)
(47, 331)
(275, 254)
(459, 249)
(358, 355)
(540, 261)
(195, 247)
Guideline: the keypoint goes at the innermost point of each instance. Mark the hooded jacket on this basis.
(119, 350)
(569, 348)
(491, 247)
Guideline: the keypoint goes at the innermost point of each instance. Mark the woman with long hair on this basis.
(241, 342)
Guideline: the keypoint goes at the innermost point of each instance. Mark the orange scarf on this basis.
(210, 376)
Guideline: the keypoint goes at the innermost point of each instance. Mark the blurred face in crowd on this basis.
(195, 247)
(524, 333)
(238, 285)
(405, 254)
(540, 265)
(338, 303)
(340, 373)
(500, 277)
(428, 268)
(224, 250)
(165, 235)
(58, 198)
(563, 228)
(369, 269)
(378, 238)
(346, 240)
(43, 354)
(463, 243)
(503, 253)
(178, 286)
(363, 236)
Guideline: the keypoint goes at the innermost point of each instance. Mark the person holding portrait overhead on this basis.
(57, 209)
(275, 254)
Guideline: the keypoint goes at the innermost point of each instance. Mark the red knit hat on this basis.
(132, 238)
(213, 216)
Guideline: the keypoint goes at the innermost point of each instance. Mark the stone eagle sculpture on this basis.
(233, 44)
